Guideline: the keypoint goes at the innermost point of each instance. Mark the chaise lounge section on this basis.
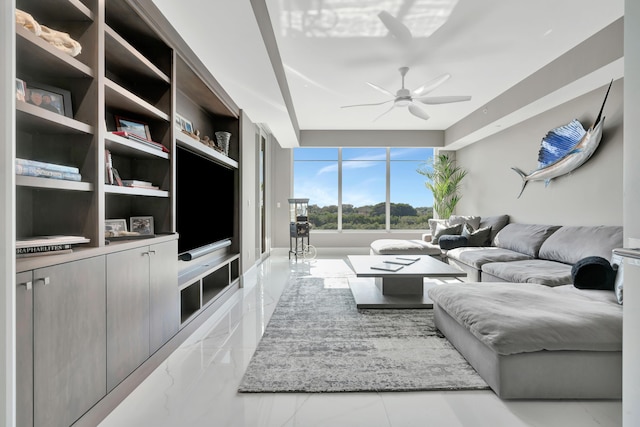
(531, 341)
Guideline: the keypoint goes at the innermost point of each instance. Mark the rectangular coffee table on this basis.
(404, 288)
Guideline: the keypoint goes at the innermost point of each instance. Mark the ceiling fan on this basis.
(405, 98)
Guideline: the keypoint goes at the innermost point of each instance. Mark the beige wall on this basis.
(590, 195)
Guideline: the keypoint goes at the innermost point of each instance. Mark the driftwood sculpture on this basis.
(59, 39)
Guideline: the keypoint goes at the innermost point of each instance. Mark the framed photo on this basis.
(115, 227)
(49, 97)
(187, 126)
(142, 224)
(135, 127)
(21, 90)
(179, 122)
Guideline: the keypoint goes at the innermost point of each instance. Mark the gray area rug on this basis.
(318, 341)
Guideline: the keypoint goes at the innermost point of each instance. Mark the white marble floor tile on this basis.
(197, 385)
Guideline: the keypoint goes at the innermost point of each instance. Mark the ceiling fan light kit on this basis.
(406, 98)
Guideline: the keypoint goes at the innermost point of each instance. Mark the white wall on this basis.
(248, 170)
(590, 195)
(7, 245)
(631, 339)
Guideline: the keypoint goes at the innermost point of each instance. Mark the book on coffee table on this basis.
(387, 266)
(400, 261)
(409, 258)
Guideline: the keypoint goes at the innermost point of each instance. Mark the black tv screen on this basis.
(204, 201)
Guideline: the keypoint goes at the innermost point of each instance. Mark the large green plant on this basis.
(443, 179)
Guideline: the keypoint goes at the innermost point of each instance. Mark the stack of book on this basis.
(47, 245)
(35, 168)
(135, 183)
(138, 138)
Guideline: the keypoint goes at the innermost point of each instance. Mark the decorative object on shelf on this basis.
(58, 39)
(115, 227)
(565, 149)
(61, 41)
(141, 224)
(27, 21)
(179, 122)
(133, 128)
(50, 98)
(443, 179)
(21, 90)
(222, 139)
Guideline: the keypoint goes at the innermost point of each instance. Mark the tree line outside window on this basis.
(363, 188)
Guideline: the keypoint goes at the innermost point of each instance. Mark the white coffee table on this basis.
(404, 288)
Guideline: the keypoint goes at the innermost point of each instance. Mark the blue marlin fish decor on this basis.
(564, 149)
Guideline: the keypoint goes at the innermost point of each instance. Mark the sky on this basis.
(364, 176)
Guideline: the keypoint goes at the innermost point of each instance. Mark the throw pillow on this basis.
(448, 242)
(441, 230)
(473, 221)
(593, 272)
(433, 223)
(479, 237)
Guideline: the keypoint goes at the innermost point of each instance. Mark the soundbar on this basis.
(203, 250)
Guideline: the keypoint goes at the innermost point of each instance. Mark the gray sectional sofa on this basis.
(536, 335)
(535, 253)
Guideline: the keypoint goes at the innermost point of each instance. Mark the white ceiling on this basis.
(329, 50)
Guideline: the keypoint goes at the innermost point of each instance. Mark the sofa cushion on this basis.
(448, 241)
(570, 244)
(473, 221)
(524, 238)
(496, 223)
(433, 223)
(593, 272)
(543, 272)
(477, 257)
(443, 230)
(403, 247)
(477, 237)
(513, 318)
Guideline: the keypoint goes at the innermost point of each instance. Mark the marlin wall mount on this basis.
(565, 149)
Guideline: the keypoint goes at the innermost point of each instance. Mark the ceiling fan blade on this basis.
(433, 100)
(392, 107)
(395, 27)
(418, 112)
(365, 105)
(381, 89)
(428, 87)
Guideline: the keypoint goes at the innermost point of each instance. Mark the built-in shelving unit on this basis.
(132, 66)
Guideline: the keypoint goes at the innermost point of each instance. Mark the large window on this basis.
(363, 188)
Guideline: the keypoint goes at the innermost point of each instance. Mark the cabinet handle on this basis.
(149, 253)
(45, 280)
(27, 285)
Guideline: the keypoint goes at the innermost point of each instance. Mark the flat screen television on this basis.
(205, 204)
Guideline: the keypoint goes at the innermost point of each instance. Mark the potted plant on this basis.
(443, 179)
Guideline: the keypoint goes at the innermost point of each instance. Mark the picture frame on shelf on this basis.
(115, 227)
(179, 122)
(142, 224)
(134, 127)
(50, 98)
(187, 126)
(21, 90)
